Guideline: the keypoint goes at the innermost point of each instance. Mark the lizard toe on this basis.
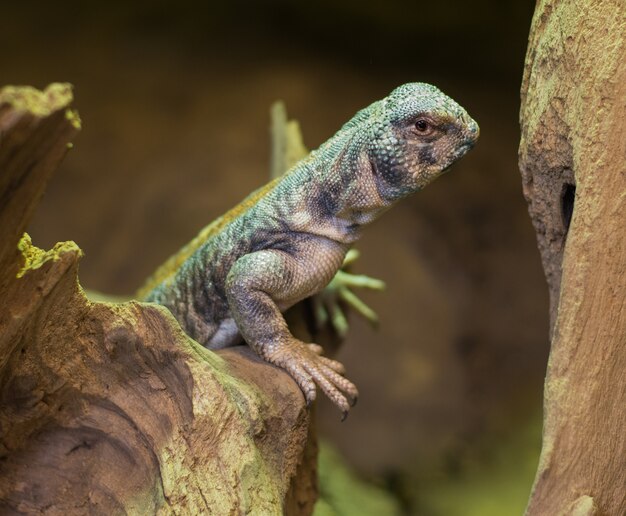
(328, 387)
(333, 364)
(341, 382)
(316, 348)
(305, 381)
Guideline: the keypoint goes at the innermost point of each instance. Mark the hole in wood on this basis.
(567, 204)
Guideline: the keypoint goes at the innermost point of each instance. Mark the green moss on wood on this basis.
(34, 257)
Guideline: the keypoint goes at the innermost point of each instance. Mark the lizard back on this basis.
(169, 268)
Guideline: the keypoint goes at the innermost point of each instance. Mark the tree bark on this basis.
(110, 408)
(573, 164)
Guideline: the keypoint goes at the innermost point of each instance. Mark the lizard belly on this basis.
(227, 334)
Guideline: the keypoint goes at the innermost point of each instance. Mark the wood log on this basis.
(110, 408)
(573, 164)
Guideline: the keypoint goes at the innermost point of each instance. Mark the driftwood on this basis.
(110, 408)
(573, 163)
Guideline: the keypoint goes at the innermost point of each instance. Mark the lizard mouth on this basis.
(462, 150)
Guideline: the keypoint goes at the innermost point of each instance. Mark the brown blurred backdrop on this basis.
(174, 99)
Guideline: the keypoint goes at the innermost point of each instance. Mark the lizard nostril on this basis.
(470, 125)
(474, 130)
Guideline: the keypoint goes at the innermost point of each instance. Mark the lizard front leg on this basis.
(262, 283)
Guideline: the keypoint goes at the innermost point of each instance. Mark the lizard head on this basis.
(418, 133)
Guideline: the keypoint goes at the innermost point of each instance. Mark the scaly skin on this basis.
(286, 241)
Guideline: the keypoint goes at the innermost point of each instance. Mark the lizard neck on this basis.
(338, 191)
(393, 181)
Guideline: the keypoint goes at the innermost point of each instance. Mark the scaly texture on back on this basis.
(173, 263)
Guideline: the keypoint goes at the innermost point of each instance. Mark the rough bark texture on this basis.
(573, 163)
(110, 408)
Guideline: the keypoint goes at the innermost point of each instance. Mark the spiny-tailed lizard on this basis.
(286, 241)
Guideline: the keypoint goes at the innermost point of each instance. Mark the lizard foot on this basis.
(307, 367)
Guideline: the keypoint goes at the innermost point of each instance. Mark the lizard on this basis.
(285, 241)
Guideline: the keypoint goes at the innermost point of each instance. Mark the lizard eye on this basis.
(422, 125)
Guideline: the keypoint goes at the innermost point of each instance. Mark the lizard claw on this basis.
(304, 363)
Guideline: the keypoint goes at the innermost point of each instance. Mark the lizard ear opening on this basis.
(373, 167)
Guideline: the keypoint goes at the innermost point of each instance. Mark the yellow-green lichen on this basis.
(73, 117)
(583, 506)
(40, 103)
(234, 476)
(34, 257)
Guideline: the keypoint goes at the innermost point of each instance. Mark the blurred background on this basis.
(174, 98)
